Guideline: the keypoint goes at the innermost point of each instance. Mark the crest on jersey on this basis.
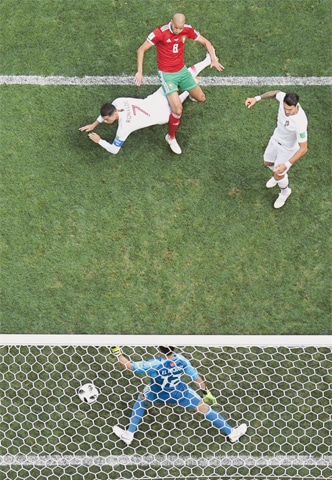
(183, 39)
(170, 364)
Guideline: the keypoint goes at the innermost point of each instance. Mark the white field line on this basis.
(293, 341)
(151, 80)
(166, 461)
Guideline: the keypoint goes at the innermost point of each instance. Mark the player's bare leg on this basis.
(197, 94)
(196, 70)
(175, 102)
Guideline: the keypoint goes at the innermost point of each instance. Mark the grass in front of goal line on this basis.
(148, 242)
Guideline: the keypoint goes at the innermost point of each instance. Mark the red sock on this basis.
(173, 123)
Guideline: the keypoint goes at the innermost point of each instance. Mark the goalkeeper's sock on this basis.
(218, 421)
(137, 414)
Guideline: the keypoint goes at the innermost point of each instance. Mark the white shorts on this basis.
(276, 153)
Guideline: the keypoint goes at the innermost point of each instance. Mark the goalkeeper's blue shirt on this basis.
(165, 375)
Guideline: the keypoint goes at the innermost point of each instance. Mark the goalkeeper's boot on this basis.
(237, 433)
(124, 435)
(175, 147)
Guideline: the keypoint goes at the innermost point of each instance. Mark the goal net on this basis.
(281, 391)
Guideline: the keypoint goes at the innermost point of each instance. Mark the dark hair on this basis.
(291, 99)
(167, 350)
(107, 110)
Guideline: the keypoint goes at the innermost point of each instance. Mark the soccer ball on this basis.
(88, 393)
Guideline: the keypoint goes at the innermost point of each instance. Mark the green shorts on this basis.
(172, 82)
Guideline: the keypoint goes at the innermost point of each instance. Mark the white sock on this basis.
(183, 96)
(283, 184)
(198, 67)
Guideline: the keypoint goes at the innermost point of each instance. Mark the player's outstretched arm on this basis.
(110, 147)
(89, 128)
(140, 59)
(94, 137)
(121, 358)
(251, 101)
(209, 48)
(207, 395)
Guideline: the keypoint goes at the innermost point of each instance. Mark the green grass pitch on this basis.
(148, 242)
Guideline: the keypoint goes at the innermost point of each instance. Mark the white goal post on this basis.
(280, 386)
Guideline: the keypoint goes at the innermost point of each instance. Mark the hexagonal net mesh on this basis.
(282, 393)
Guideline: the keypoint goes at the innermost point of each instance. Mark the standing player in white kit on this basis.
(288, 143)
(136, 113)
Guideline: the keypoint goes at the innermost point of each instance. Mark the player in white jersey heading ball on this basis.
(167, 387)
(135, 113)
(288, 143)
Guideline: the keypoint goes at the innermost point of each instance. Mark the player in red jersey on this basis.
(169, 40)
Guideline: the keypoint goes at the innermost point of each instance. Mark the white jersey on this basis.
(290, 130)
(137, 113)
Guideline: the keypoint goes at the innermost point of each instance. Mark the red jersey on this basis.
(170, 47)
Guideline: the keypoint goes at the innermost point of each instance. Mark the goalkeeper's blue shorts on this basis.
(186, 397)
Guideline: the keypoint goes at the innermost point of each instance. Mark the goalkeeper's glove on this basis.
(208, 397)
(116, 351)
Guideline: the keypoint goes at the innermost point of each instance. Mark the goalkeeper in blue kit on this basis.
(166, 387)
